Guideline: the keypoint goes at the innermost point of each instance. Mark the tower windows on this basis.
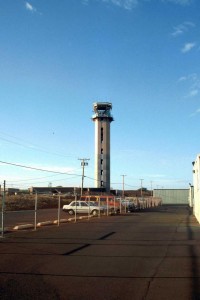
(101, 134)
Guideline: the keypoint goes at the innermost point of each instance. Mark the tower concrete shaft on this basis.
(102, 119)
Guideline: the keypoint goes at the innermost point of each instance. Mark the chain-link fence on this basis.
(34, 210)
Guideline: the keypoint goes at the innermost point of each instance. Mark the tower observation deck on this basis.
(102, 118)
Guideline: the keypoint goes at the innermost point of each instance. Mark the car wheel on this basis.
(95, 212)
(71, 212)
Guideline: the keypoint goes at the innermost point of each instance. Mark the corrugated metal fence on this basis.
(172, 196)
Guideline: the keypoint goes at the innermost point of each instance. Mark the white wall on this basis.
(196, 191)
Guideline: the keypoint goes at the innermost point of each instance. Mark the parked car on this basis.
(83, 207)
(114, 210)
(132, 207)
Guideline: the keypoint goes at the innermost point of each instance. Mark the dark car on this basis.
(132, 207)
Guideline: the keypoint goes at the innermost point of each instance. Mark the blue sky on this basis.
(58, 57)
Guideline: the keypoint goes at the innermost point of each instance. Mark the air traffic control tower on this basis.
(102, 118)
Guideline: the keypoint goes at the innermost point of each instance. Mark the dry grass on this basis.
(27, 202)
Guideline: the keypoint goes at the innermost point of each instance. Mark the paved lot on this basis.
(146, 255)
(14, 218)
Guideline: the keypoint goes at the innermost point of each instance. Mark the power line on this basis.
(11, 183)
(31, 146)
(37, 169)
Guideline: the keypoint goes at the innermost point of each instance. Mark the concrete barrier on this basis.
(24, 226)
(61, 221)
(44, 223)
(84, 217)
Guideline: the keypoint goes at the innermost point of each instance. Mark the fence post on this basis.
(58, 210)
(99, 208)
(107, 204)
(3, 209)
(89, 208)
(36, 200)
(120, 205)
(75, 206)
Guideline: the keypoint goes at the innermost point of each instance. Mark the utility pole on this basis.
(123, 185)
(83, 164)
(141, 186)
(151, 189)
(3, 209)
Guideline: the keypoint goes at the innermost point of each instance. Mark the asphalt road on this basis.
(152, 255)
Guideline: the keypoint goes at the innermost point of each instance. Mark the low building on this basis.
(65, 190)
(10, 191)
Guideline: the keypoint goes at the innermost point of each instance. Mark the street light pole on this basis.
(83, 164)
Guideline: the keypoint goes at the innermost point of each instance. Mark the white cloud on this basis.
(192, 82)
(30, 7)
(188, 47)
(195, 113)
(193, 93)
(131, 4)
(181, 2)
(182, 78)
(182, 28)
(126, 4)
(85, 2)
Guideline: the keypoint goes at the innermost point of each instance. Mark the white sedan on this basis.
(82, 207)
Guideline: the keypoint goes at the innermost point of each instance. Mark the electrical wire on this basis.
(31, 146)
(38, 169)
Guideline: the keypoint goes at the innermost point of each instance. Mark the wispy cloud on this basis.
(182, 28)
(193, 93)
(182, 78)
(85, 2)
(30, 7)
(195, 113)
(181, 2)
(126, 4)
(188, 47)
(193, 82)
(131, 4)
(191, 77)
